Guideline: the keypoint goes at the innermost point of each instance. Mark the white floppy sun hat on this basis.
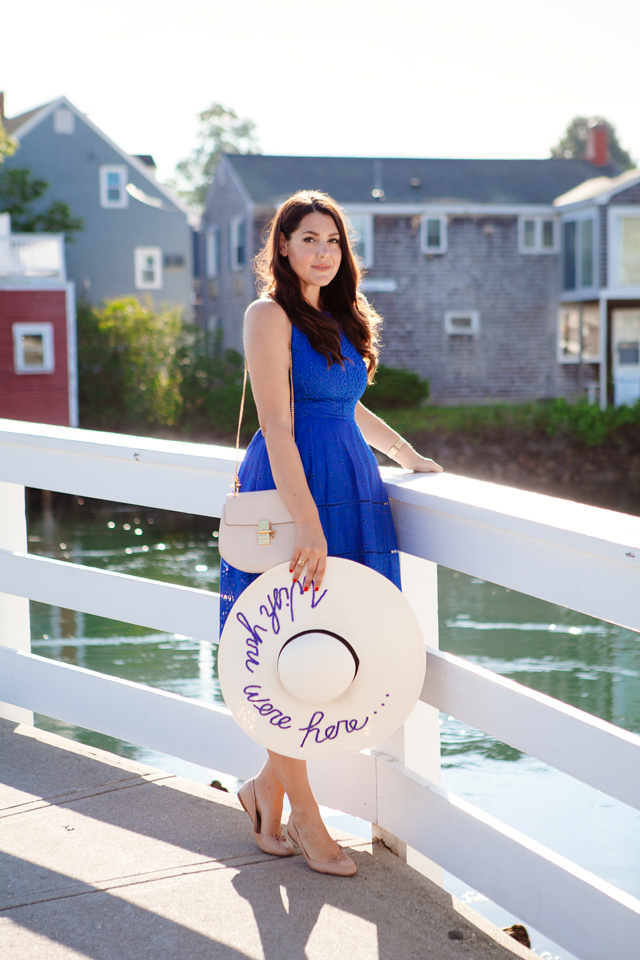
(324, 674)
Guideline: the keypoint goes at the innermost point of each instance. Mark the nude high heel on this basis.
(340, 866)
(276, 844)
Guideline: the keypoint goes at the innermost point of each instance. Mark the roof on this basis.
(268, 179)
(12, 123)
(23, 124)
(598, 187)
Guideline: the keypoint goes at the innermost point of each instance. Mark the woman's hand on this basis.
(410, 459)
(381, 436)
(309, 554)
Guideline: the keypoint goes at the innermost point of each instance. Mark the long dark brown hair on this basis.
(340, 298)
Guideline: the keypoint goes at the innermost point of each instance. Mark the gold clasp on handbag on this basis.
(265, 533)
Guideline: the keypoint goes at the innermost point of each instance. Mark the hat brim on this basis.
(354, 602)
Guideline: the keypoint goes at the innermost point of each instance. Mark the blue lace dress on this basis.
(341, 471)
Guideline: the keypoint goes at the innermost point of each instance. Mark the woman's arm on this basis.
(267, 335)
(380, 435)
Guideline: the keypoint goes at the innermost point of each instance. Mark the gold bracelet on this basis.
(393, 451)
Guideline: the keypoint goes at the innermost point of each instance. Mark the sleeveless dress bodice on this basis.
(342, 472)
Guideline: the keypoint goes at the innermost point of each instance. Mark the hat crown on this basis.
(316, 666)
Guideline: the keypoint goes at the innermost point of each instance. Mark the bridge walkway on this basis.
(107, 858)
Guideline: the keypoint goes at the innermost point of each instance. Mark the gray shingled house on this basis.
(136, 237)
(481, 269)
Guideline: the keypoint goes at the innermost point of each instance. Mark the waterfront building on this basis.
(469, 262)
(137, 238)
(599, 312)
(38, 357)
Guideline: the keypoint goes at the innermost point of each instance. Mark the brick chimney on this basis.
(597, 144)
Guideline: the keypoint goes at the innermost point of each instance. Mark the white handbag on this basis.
(256, 531)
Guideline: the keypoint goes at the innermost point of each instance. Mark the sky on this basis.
(454, 78)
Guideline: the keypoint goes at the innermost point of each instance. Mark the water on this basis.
(590, 664)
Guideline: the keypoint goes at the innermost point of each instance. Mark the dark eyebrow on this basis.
(334, 233)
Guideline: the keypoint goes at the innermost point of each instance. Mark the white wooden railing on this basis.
(32, 255)
(582, 557)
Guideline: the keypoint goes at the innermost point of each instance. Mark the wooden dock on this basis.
(106, 858)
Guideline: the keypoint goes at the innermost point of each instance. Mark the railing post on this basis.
(417, 743)
(15, 628)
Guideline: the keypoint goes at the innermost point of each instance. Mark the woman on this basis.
(327, 477)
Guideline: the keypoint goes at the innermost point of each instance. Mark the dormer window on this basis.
(113, 181)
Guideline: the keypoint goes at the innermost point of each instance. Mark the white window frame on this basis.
(537, 247)
(580, 289)
(45, 330)
(64, 121)
(362, 225)
(139, 256)
(424, 233)
(105, 202)
(574, 358)
(234, 228)
(453, 331)
(212, 252)
(616, 215)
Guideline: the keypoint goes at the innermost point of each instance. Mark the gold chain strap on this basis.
(236, 482)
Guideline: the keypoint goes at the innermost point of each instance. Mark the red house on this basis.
(38, 357)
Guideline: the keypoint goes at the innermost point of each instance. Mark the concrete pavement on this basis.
(110, 859)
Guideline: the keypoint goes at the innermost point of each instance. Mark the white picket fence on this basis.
(582, 557)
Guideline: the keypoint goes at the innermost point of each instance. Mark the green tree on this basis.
(139, 365)
(211, 387)
(19, 191)
(220, 131)
(8, 145)
(128, 363)
(573, 144)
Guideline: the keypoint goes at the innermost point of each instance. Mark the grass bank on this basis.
(582, 422)
(576, 452)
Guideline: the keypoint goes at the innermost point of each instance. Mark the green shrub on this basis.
(395, 387)
(138, 364)
(127, 364)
